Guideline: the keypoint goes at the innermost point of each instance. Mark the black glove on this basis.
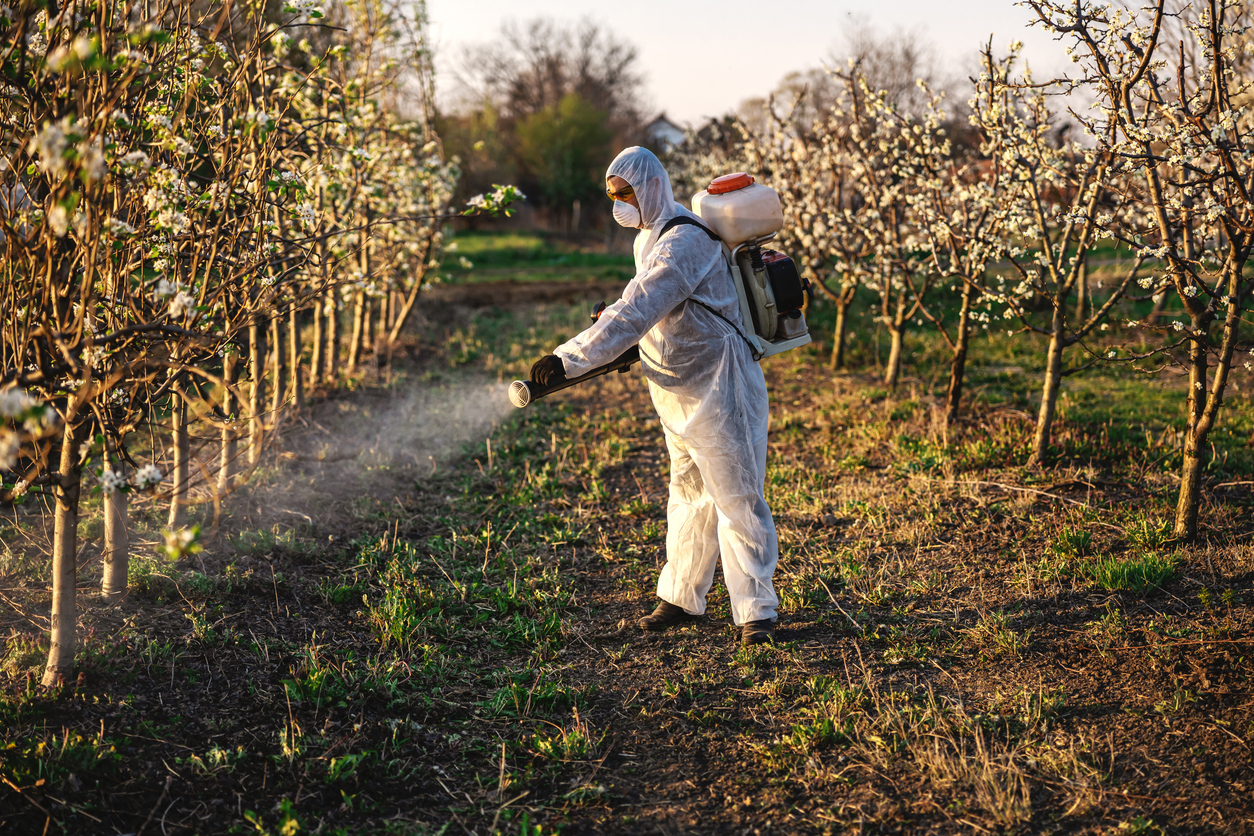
(548, 371)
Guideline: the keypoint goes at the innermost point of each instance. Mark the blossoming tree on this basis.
(1174, 118)
(157, 221)
(1058, 200)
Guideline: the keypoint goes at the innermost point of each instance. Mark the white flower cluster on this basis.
(181, 542)
(117, 227)
(305, 213)
(148, 476)
(95, 357)
(183, 304)
(112, 481)
(16, 403)
(10, 446)
(50, 146)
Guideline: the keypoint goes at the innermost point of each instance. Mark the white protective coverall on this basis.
(709, 393)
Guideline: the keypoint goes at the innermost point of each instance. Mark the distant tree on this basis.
(481, 147)
(894, 64)
(565, 147)
(716, 148)
(541, 82)
(534, 65)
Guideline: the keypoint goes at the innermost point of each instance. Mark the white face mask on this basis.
(626, 214)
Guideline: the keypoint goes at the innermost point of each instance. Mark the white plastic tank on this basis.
(738, 209)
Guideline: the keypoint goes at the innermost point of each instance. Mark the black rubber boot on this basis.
(757, 632)
(666, 615)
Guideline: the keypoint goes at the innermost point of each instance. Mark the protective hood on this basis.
(644, 171)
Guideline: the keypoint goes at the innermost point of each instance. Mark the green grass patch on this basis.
(528, 257)
(1133, 574)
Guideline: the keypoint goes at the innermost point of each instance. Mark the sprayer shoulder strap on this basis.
(680, 220)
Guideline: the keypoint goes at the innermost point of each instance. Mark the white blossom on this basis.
(50, 145)
(117, 227)
(148, 476)
(15, 402)
(10, 445)
(111, 481)
(306, 214)
(182, 304)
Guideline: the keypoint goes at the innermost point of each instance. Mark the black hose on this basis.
(523, 392)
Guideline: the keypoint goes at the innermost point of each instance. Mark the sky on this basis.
(701, 58)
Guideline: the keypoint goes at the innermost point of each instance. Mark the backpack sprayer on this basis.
(742, 216)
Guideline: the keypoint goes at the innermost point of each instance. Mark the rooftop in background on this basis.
(664, 133)
(690, 73)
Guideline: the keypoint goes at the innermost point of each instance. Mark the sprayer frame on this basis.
(765, 348)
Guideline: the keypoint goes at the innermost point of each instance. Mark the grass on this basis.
(455, 651)
(1136, 574)
(528, 257)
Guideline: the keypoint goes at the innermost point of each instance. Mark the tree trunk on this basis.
(892, 372)
(1049, 397)
(179, 477)
(316, 364)
(354, 345)
(360, 303)
(117, 547)
(1082, 291)
(410, 297)
(333, 334)
(1194, 442)
(294, 350)
(65, 556)
(230, 411)
(257, 393)
(378, 331)
(279, 393)
(838, 335)
(958, 367)
(1190, 497)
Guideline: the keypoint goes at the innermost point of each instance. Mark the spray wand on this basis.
(523, 392)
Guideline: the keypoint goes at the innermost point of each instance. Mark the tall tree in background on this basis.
(565, 147)
(541, 106)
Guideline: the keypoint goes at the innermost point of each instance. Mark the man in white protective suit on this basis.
(709, 392)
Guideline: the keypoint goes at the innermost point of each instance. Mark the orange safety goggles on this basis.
(624, 194)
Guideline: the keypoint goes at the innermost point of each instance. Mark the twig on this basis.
(40, 807)
(978, 482)
(169, 779)
(838, 606)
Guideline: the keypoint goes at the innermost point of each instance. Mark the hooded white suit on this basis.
(709, 393)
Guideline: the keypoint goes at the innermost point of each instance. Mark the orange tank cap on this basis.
(729, 183)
